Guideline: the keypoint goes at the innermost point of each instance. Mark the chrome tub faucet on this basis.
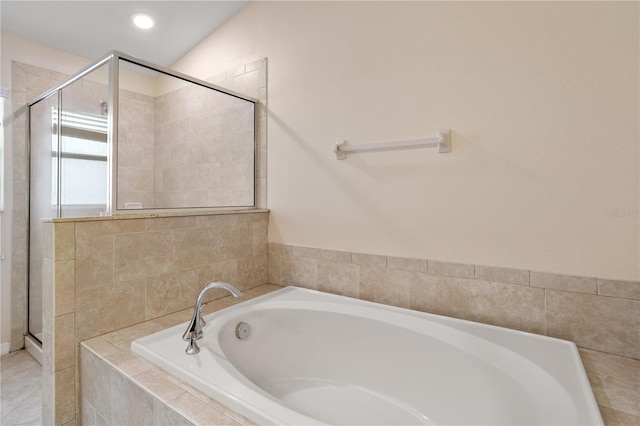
(194, 330)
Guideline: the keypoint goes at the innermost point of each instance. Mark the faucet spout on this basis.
(194, 329)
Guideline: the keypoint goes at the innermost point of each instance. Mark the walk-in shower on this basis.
(126, 136)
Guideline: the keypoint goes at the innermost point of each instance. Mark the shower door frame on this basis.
(113, 60)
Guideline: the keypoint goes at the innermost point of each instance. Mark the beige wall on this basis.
(542, 98)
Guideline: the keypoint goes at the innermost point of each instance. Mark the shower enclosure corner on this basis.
(127, 136)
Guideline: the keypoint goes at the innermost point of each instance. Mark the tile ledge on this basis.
(148, 215)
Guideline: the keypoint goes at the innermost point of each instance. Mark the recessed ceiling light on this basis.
(142, 20)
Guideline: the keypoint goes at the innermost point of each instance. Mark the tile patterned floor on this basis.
(20, 390)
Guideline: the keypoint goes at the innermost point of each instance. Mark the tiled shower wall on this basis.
(595, 313)
(217, 167)
(194, 147)
(135, 149)
(104, 274)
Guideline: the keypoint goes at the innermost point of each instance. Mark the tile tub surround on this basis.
(597, 314)
(105, 274)
(109, 369)
(119, 387)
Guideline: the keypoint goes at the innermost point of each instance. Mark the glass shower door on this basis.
(43, 127)
(68, 167)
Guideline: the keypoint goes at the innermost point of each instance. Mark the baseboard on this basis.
(4, 348)
(34, 348)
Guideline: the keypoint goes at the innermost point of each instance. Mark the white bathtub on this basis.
(318, 358)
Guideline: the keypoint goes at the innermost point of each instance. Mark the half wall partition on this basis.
(126, 136)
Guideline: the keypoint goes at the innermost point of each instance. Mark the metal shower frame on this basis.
(113, 60)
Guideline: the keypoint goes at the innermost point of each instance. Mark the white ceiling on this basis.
(91, 28)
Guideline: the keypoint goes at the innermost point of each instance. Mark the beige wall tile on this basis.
(48, 395)
(611, 393)
(199, 412)
(48, 299)
(384, 286)
(275, 263)
(122, 338)
(613, 417)
(369, 260)
(94, 261)
(87, 414)
(64, 241)
(461, 270)
(235, 242)
(106, 308)
(615, 380)
(127, 364)
(623, 369)
(96, 383)
(65, 399)
(226, 271)
(161, 223)
(130, 405)
(142, 254)
(168, 293)
(338, 278)
(100, 346)
(440, 295)
(300, 251)
(259, 218)
(47, 352)
(335, 255)
(502, 275)
(165, 416)
(64, 339)
(564, 282)
(299, 271)
(252, 271)
(219, 221)
(260, 238)
(110, 227)
(508, 305)
(623, 289)
(65, 291)
(419, 265)
(194, 246)
(157, 383)
(595, 322)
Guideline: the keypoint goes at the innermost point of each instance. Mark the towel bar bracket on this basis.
(445, 141)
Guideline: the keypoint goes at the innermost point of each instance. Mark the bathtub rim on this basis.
(447, 321)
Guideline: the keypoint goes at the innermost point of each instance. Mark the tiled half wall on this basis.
(598, 314)
(105, 274)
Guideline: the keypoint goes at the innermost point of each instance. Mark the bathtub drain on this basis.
(243, 330)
